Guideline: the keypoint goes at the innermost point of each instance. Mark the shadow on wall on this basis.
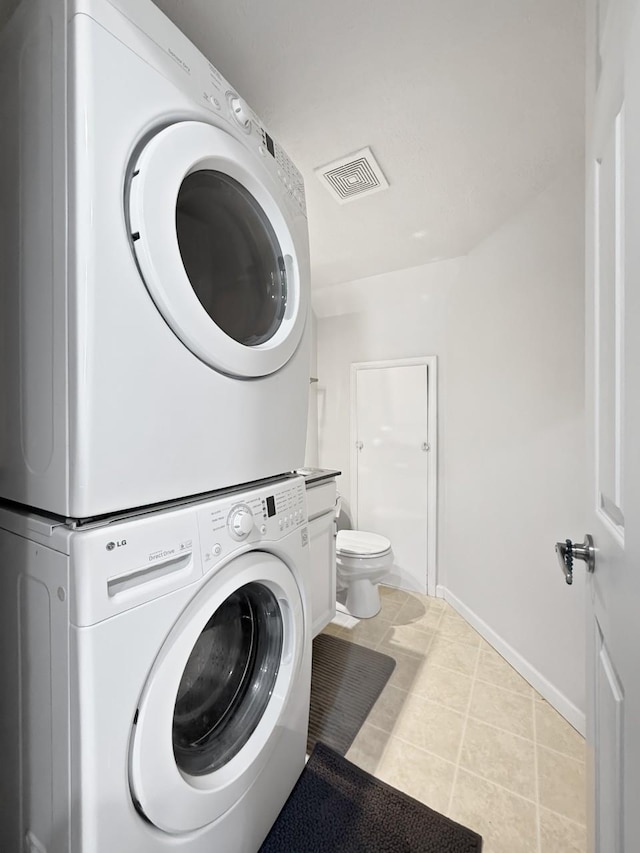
(344, 521)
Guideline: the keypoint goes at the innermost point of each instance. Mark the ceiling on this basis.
(471, 107)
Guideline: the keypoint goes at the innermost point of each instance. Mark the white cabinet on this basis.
(321, 502)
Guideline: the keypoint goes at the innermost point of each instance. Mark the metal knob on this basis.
(568, 552)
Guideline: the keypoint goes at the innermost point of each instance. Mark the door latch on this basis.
(568, 552)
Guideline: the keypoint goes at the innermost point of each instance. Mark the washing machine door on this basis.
(217, 250)
(212, 710)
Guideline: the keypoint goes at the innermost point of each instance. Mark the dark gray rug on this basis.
(346, 680)
(336, 807)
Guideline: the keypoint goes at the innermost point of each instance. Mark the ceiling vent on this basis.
(353, 177)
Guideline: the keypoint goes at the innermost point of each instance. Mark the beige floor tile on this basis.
(368, 747)
(485, 646)
(419, 774)
(423, 615)
(428, 600)
(368, 632)
(430, 726)
(500, 757)
(453, 655)
(445, 686)
(554, 731)
(387, 709)
(406, 670)
(502, 708)
(406, 640)
(412, 736)
(393, 594)
(450, 611)
(333, 629)
(493, 668)
(506, 821)
(454, 628)
(559, 835)
(389, 608)
(562, 784)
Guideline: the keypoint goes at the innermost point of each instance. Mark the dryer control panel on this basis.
(160, 43)
(261, 515)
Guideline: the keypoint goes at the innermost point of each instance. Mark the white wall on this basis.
(395, 315)
(507, 325)
(515, 428)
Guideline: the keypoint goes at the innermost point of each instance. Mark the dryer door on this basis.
(211, 712)
(217, 251)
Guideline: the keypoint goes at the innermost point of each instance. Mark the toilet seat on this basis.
(360, 543)
(362, 561)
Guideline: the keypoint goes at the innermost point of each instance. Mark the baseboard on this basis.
(554, 697)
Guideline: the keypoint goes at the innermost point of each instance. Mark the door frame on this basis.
(431, 363)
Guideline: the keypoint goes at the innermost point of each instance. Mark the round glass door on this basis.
(221, 250)
(228, 680)
(232, 256)
(219, 697)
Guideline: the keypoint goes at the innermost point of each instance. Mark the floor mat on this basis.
(346, 680)
(336, 807)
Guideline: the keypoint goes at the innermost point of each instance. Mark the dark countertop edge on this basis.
(320, 475)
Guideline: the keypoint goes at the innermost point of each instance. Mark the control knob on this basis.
(241, 521)
(240, 112)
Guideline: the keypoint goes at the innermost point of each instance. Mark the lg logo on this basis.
(118, 544)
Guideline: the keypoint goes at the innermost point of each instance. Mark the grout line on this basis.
(508, 689)
(423, 658)
(563, 816)
(501, 729)
(413, 745)
(498, 785)
(562, 754)
(464, 732)
(472, 773)
(536, 776)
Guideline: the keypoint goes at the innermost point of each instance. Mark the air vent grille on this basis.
(353, 176)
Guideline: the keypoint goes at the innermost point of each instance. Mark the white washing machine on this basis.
(154, 268)
(155, 675)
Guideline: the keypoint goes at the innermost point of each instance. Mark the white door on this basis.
(393, 454)
(613, 415)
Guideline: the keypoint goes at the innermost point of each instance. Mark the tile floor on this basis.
(457, 728)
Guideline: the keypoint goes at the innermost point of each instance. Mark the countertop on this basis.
(313, 476)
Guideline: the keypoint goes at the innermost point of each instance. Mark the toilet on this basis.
(362, 560)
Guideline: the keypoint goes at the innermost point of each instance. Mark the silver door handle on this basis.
(567, 552)
(359, 445)
(426, 446)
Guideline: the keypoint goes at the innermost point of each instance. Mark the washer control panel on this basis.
(266, 514)
(240, 521)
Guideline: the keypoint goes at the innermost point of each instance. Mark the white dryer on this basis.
(155, 675)
(154, 268)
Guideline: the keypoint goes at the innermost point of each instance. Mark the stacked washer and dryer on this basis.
(154, 624)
